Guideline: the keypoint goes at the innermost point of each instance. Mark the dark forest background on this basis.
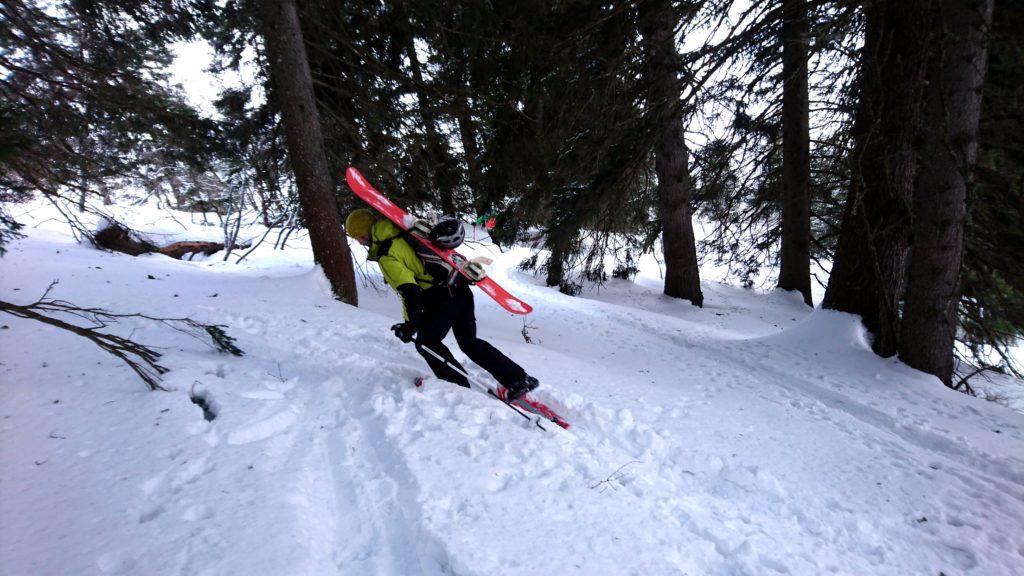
(880, 142)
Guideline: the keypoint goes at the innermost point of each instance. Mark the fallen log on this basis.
(179, 249)
(119, 239)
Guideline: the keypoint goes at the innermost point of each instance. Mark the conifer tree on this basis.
(682, 274)
(795, 258)
(946, 172)
(868, 276)
(289, 67)
(86, 103)
(991, 310)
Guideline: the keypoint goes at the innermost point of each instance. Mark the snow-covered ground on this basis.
(748, 437)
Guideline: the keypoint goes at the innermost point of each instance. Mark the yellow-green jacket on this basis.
(397, 259)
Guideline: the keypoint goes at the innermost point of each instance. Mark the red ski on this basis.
(403, 220)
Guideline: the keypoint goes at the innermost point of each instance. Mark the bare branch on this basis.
(140, 358)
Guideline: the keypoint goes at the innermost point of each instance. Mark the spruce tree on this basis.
(795, 256)
(868, 276)
(682, 274)
(87, 108)
(291, 79)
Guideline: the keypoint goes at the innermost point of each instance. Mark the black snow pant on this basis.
(447, 309)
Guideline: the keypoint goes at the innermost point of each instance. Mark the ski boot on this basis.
(518, 389)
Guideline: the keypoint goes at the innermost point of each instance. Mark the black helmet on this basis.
(448, 232)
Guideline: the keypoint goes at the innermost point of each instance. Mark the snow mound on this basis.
(824, 331)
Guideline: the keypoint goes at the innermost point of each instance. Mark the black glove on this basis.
(412, 302)
(405, 331)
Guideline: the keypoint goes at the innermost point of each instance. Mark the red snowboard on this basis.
(403, 220)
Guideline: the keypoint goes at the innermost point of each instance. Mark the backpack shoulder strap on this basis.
(384, 248)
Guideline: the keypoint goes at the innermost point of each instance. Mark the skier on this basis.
(436, 298)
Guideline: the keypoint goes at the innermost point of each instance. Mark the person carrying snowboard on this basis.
(436, 298)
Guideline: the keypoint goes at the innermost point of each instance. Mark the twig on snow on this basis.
(614, 477)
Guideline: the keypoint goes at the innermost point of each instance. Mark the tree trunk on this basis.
(868, 276)
(682, 276)
(948, 154)
(289, 70)
(795, 255)
(672, 162)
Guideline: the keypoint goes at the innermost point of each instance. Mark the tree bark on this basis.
(672, 162)
(949, 151)
(868, 275)
(795, 255)
(682, 275)
(289, 70)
